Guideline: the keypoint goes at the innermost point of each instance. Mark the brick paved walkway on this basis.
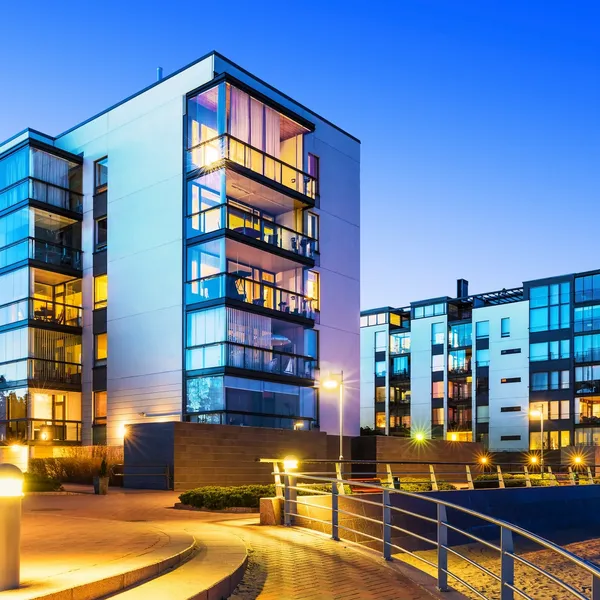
(288, 564)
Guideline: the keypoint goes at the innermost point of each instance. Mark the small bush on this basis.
(490, 480)
(413, 484)
(39, 483)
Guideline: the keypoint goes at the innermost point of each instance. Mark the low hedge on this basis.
(490, 480)
(413, 484)
(39, 483)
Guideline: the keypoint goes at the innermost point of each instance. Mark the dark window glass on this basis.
(101, 174)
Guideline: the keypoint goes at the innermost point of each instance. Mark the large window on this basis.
(587, 318)
(483, 358)
(437, 389)
(380, 368)
(101, 174)
(587, 379)
(429, 311)
(554, 350)
(101, 233)
(438, 333)
(459, 360)
(551, 380)
(437, 362)
(505, 327)
(587, 288)
(460, 335)
(482, 329)
(587, 348)
(400, 342)
(100, 407)
(549, 307)
(100, 291)
(400, 365)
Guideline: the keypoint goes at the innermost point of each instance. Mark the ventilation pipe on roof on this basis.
(159, 73)
(462, 288)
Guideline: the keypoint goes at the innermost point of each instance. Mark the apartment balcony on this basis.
(41, 251)
(591, 355)
(260, 294)
(463, 370)
(587, 387)
(252, 227)
(460, 398)
(213, 153)
(42, 311)
(41, 372)
(46, 431)
(460, 425)
(240, 356)
(40, 191)
(403, 375)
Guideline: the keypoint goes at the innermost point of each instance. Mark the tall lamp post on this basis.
(540, 414)
(334, 381)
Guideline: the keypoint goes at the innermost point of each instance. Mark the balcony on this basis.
(44, 311)
(228, 354)
(252, 226)
(45, 252)
(236, 287)
(462, 370)
(460, 398)
(40, 371)
(591, 355)
(402, 375)
(34, 189)
(587, 387)
(41, 430)
(209, 154)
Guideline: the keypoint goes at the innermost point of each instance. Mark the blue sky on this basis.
(479, 121)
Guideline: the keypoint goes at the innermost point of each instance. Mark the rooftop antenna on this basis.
(159, 73)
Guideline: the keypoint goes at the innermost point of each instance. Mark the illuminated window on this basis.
(395, 320)
(100, 348)
(100, 407)
(437, 362)
(312, 288)
(380, 420)
(438, 333)
(100, 291)
(437, 389)
(380, 369)
(437, 416)
(400, 343)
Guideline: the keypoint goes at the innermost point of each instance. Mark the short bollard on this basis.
(11, 494)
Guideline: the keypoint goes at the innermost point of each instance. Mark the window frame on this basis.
(99, 247)
(99, 188)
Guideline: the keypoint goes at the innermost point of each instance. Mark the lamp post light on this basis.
(11, 494)
(540, 414)
(333, 382)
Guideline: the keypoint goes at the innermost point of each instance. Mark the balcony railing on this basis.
(42, 251)
(252, 292)
(40, 371)
(226, 146)
(40, 430)
(35, 189)
(591, 355)
(459, 370)
(229, 354)
(587, 387)
(460, 398)
(401, 375)
(41, 310)
(257, 228)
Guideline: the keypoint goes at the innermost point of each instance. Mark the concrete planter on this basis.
(101, 486)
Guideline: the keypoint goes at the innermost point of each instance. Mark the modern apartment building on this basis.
(191, 253)
(484, 367)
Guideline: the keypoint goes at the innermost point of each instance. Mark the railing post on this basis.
(500, 478)
(469, 478)
(507, 564)
(571, 476)
(434, 485)
(442, 553)
(590, 478)
(338, 474)
(390, 475)
(287, 517)
(278, 490)
(334, 512)
(527, 478)
(387, 526)
(552, 476)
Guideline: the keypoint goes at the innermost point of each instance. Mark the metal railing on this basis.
(37, 309)
(376, 511)
(41, 430)
(210, 152)
(160, 471)
(246, 223)
(259, 293)
(36, 189)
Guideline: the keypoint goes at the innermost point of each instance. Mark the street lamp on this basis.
(540, 414)
(333, 382)
(11, 493)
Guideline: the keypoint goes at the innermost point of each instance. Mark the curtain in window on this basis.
(240, 115)
(50, 169)
(272, 132)
(248, 328)
(206, 327)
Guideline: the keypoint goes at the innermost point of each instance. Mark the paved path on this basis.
(285, 564)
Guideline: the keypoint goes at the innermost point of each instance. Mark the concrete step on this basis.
(212, 572)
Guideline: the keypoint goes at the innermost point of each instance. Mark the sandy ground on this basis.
(526, 579)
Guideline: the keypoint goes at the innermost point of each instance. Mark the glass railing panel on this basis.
(13, 313)
(48, 370)
(251, 292)
(41, 430)
(14, 195)
(13, 254)
(208, 153)
(55, 254)
(206, 221)
(57, 313)
(56, 196)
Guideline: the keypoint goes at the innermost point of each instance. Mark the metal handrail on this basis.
(507, 530)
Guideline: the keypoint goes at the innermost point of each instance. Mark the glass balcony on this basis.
(252, 226)
(209, 153)
(263, 294)
(40, 371)
(228, 354)
(34, 189)
(41, 310)
(42, 251)
(40, 430)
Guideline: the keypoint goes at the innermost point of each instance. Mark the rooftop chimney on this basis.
(462, 288)
(159, 74)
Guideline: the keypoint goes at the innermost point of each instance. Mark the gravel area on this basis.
(526, 579)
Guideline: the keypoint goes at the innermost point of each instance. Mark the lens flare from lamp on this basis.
(483, 460)
(420, 437)
(330, 384)
(453, 437)
(290, 463)
(578, 460)
(533, 460)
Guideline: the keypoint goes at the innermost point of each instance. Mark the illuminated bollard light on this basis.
(11, 494)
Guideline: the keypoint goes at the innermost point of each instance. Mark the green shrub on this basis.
(414, 484)
(515, 480)
(40, 483)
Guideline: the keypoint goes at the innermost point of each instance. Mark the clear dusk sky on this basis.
(479, 120)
